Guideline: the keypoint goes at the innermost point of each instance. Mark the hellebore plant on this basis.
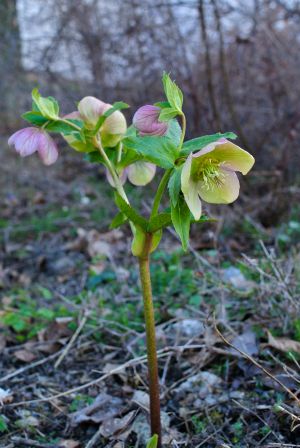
(200, 169)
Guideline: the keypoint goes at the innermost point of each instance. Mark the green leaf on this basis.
(3, 425)
(198, 143)
(131, 132)
(167, 114)
(65, 129)
(204, 218)
(162, 104)
(131, 214)
(95, 156)
(152, 443)
(173, 93)
(181, 219)
(159, 222)
(119, 105)
(48, 107)
(174, 185)
(174, 131)
(128, 158)
(35, 117)
(118, 220)
(159, 150)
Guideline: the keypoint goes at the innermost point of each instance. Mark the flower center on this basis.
(209, 172)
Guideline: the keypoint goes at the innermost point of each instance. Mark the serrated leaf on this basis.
(159, 222)
(118, 220)
(159, 150)
(48, 107)
(167, 114)
(174, 185)
(35, 118)
(181, 219)
(119, 105)
(173, 93)
(130, 212)
(174, 131)
(200, 142)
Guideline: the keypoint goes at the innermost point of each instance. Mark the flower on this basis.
(90, 109)
(29, 140)
(141, 173)
(146, 121)
(210, 174)
(138, 173)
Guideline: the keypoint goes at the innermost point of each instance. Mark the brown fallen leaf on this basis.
(283, 344)
(117, 426)
(24, 355)
(96, 243)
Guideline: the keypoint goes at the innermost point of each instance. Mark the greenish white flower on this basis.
(139, 173)
(210, 174)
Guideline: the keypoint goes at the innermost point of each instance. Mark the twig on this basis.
(256, 364)
(30, 366)
(72, 340)
(139, 360)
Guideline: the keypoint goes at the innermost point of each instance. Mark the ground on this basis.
(72, 343)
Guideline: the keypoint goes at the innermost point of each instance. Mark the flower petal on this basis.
(26, 141)
(122, 176)
(189, 189)
(47, 149)
(75, 115)
(90, 109)
(230, 154)
(223, 193)
(141, 173)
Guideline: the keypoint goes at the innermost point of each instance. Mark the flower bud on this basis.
(113, 128)
(141, 173)
(91, 109)
(30, 140)
(146, 121)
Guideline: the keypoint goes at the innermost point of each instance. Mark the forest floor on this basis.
(72, 343)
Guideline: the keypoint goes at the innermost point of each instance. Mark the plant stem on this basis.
(159, 193)
(183, 131)
(144, 264)
(109, 166)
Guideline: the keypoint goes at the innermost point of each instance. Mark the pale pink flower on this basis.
(146, 121)
(29, 140)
